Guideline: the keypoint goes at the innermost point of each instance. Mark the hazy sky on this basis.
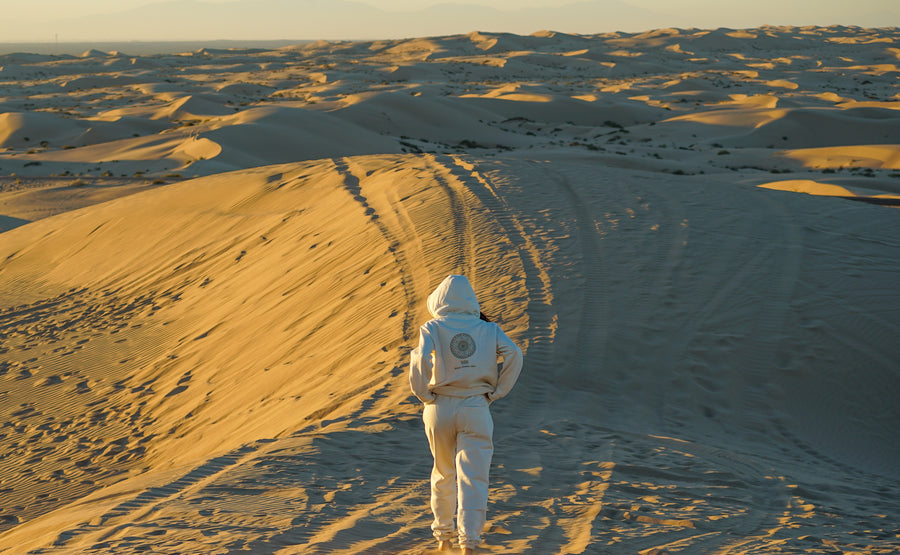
(43, 8)
(32, 10)
(85, 20)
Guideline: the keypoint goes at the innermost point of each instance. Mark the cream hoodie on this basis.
(457, 352)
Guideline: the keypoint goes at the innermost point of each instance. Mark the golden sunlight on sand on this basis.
(213, 266)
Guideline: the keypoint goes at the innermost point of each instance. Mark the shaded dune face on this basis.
(212, 354)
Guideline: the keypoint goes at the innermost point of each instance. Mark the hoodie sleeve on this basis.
(421, 367)
(511, 368)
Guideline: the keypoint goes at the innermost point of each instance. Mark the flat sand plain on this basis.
(213, 266)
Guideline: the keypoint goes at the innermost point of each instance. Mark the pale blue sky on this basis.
(100, 20)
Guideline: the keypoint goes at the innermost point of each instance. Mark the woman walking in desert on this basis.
(454, 372)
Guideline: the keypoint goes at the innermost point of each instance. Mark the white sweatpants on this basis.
(460, 431)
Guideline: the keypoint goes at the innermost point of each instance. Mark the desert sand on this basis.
(213, 266)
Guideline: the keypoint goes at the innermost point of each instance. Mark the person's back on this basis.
(454, 372)
(461, 368)
(463, 348)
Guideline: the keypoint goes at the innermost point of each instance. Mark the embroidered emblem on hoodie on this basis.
(462, 346)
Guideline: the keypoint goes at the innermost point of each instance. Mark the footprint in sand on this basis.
(49, 380)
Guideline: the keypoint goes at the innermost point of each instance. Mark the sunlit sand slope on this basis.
(219, 365)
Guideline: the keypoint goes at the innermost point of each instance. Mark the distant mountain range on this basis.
(348, 19)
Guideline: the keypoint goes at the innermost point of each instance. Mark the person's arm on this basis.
(421, 367)
(511, 368)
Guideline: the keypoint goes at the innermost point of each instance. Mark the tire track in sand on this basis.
(542, 317)
(143, 505)
(593, 330)
(588, 364)
(762, 498)
(354, 187)
(543, 357)
(464, 256)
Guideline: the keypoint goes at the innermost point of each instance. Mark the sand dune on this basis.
(210, 280)
(798, 128)
(16, 128)
(436, 93)
(20, 128)
(866, 156)
(822, 189)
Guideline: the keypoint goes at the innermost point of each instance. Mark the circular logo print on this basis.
(462, 345)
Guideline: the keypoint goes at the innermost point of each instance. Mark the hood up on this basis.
(453, 297)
